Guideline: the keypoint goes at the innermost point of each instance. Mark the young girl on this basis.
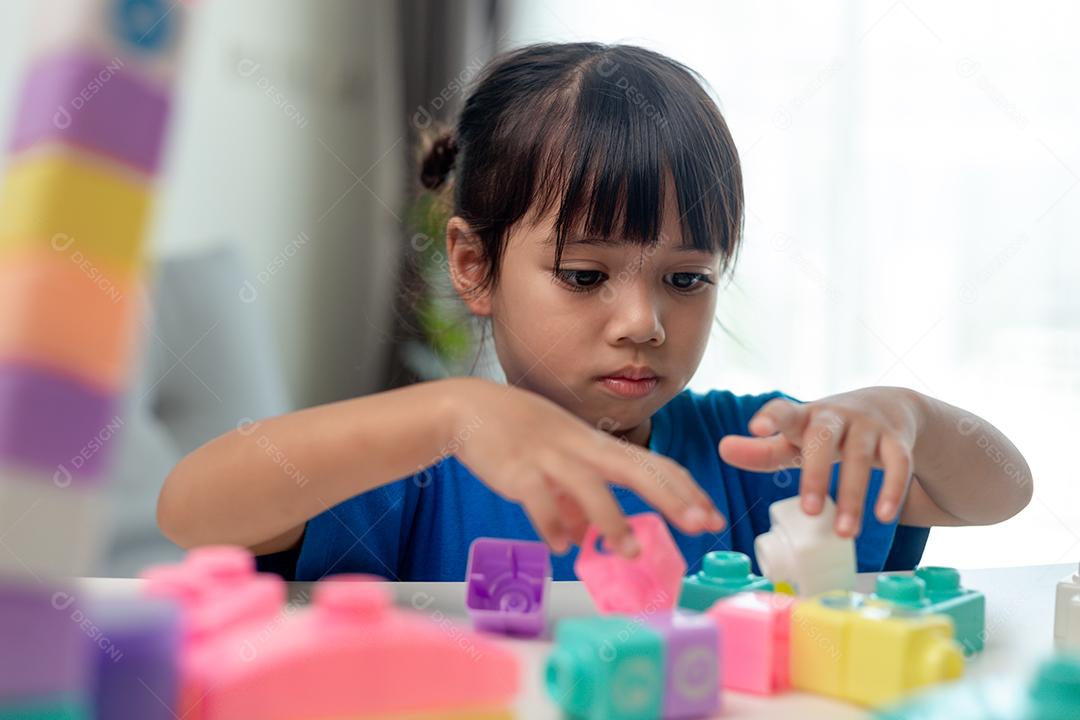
(597, 201)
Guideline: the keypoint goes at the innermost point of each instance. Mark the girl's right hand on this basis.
(556, 466)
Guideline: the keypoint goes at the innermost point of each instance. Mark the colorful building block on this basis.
(68, 317)
(71, 201)
(756, 631)
(693, 663)
(937, 590)
(1067, 613)
(52, 423)
(803, 552)
(646, 583)
(55, 708)
(606, 668)
(93, 102)
(505, 586)
(868, 652)
(1053, 693)
(51, 527)
(350, 654)
(136, 657)
(723, 573)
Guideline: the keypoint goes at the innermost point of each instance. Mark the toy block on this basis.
(218, 590)
(56, 424)
(802, 551)
(723, 573)
(606, 668)
(68, 201)
(145, 36)
(95, 103)
(756, 631)
(693, 661)
(136, 657)
(350, 654)
(506, 584)
(50, 527)
(68, 317)
(646, 583)
(1067, 613)
(44, 656)
(937, 590)
(1053, 693)
(869, 653)
(57, 708)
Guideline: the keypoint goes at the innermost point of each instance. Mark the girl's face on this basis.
(614, 336)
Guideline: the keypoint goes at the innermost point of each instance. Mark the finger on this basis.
(592, 493)
(897, 460)
(759, 454)
(857, 457)
(572, 516)
(539, 504)
(667, 486)
(781, 416)
(820, 445)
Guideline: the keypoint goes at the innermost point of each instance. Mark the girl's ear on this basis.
(467, 266)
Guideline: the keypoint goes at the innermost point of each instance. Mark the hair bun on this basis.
(438, 162)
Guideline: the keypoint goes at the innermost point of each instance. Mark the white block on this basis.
(1067, 614)
(804, 551)
(48, 530)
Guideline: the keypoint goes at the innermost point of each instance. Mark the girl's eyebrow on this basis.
(599, 241)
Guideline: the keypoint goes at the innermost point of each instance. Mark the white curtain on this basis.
(912, 211)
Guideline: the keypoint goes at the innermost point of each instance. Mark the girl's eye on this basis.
(581, 280)
(689, 281)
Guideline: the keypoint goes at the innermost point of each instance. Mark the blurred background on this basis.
(911, 178)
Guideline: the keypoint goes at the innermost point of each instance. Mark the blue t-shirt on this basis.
(420, 527)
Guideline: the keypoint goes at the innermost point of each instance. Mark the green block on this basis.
(606, 667)
(53, 708)
(723, 573)
(937, 590)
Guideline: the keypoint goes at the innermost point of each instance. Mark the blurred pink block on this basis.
(649, 582)
(756, 633)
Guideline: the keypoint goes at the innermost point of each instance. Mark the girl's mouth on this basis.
(629, 387)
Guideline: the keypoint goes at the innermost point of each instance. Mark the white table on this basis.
(1019, 625)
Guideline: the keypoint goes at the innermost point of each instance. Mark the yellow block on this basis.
(869, 653)
(65, 200)
(61, 312)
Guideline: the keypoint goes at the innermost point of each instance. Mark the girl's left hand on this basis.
(872, 427)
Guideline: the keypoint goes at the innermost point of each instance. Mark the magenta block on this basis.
(755, 629)
(644, 584)
(57, 425)
(693, 657)
(43, 648)
(506, 582)
(93, 102)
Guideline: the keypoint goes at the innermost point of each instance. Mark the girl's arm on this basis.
(259, 484)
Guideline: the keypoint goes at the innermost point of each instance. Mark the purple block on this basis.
(505, 585)
(42, 644)
(93, 102)
(692, 659)
(57, 425)
(137, 658)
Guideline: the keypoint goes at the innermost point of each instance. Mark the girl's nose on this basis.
(635, 316)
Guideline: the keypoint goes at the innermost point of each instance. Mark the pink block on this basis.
(352, 654)
(755, 629)
(649, 582)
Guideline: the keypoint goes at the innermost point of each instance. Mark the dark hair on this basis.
(597, 129)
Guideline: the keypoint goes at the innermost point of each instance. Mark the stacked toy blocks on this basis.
(802, 553)
(936, 590)
(846, 646)
(723, 573)
(1067, 613)
(756, 631)
(506, 585)
(351, 653)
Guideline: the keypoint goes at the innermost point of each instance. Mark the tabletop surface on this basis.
(1019, 633)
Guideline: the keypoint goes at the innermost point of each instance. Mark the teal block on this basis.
(937, 590)
(52, 708)
(723, 573)
(606, 667)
